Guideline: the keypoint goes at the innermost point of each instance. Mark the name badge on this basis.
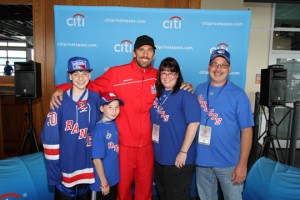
(155, 133)
(204, 135)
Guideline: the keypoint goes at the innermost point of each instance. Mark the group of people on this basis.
(147, 123)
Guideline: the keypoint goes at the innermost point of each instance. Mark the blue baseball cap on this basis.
(78, 64)
(220, 53)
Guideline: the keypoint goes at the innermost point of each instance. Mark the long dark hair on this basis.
(168, 64)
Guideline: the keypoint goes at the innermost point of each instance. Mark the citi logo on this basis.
(173, 23)
(124, 47)
(220, 46)
(77, 20)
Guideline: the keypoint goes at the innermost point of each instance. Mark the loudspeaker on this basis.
(28, 79)
(273, 86)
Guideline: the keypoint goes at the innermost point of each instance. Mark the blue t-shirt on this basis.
(106, 147)
(8, 70)
(176, 111)
(227, 111)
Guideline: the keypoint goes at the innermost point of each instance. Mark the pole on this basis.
(30, 132)
(253, 154)
(294, 133)
(269, 134)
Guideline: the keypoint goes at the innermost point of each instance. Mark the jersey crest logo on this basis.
(108, 135)
(153, 89)
(82, 106)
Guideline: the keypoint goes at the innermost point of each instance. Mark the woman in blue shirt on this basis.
(175, 116)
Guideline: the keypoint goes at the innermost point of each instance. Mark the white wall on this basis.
(259, 43)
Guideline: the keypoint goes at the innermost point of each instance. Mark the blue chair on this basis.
(268, 179)
(25, 177)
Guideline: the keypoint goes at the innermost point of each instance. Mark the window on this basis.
(285, 45)
(13, 52)
(286, 33)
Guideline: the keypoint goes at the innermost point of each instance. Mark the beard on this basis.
(143, 64)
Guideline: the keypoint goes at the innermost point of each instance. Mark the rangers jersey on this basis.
(66, 138)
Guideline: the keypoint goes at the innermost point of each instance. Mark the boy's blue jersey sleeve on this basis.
(50, 140)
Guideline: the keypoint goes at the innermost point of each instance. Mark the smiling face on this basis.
(110, 111)
(80, 79)
(218, 71)
(168, 79)
(144, 56)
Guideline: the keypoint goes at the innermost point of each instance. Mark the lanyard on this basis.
(167, 96)
(160, 103)
(81, 97)
(208, 104)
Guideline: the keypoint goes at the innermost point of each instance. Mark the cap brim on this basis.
(219, 56)
(145, 44)
(108, 102)
(89, 70)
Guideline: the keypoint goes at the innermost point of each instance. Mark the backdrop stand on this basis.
(30, 132)
(269, 138)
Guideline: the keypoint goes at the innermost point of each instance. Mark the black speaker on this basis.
(273, 86)
(28, 79)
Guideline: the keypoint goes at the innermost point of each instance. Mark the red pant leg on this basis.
(127, 159)
(136, 164)
(144, 173)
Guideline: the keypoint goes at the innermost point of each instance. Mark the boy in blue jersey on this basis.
(66, 136)
(105, 149)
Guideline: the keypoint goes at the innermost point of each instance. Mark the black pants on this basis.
(111, 196)
(58, 195)
(173, 183)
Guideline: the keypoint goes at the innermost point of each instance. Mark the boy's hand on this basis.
(56, 99)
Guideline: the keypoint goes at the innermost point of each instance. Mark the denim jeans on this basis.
(207, 179)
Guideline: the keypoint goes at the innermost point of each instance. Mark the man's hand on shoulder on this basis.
(56, 99)
(188, 87)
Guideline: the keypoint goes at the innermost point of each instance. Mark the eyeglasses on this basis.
(222, 66)
(170, 75)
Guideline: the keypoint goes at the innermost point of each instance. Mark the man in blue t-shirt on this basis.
(225, 135)
(8, 70)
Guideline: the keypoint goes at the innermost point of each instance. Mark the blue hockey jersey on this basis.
(66, 138)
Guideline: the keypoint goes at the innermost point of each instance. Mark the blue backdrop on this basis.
(105, 35)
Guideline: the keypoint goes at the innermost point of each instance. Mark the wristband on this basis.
(104, 186)
(183, 151)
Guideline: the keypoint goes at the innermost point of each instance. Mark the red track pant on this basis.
(136, 165)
